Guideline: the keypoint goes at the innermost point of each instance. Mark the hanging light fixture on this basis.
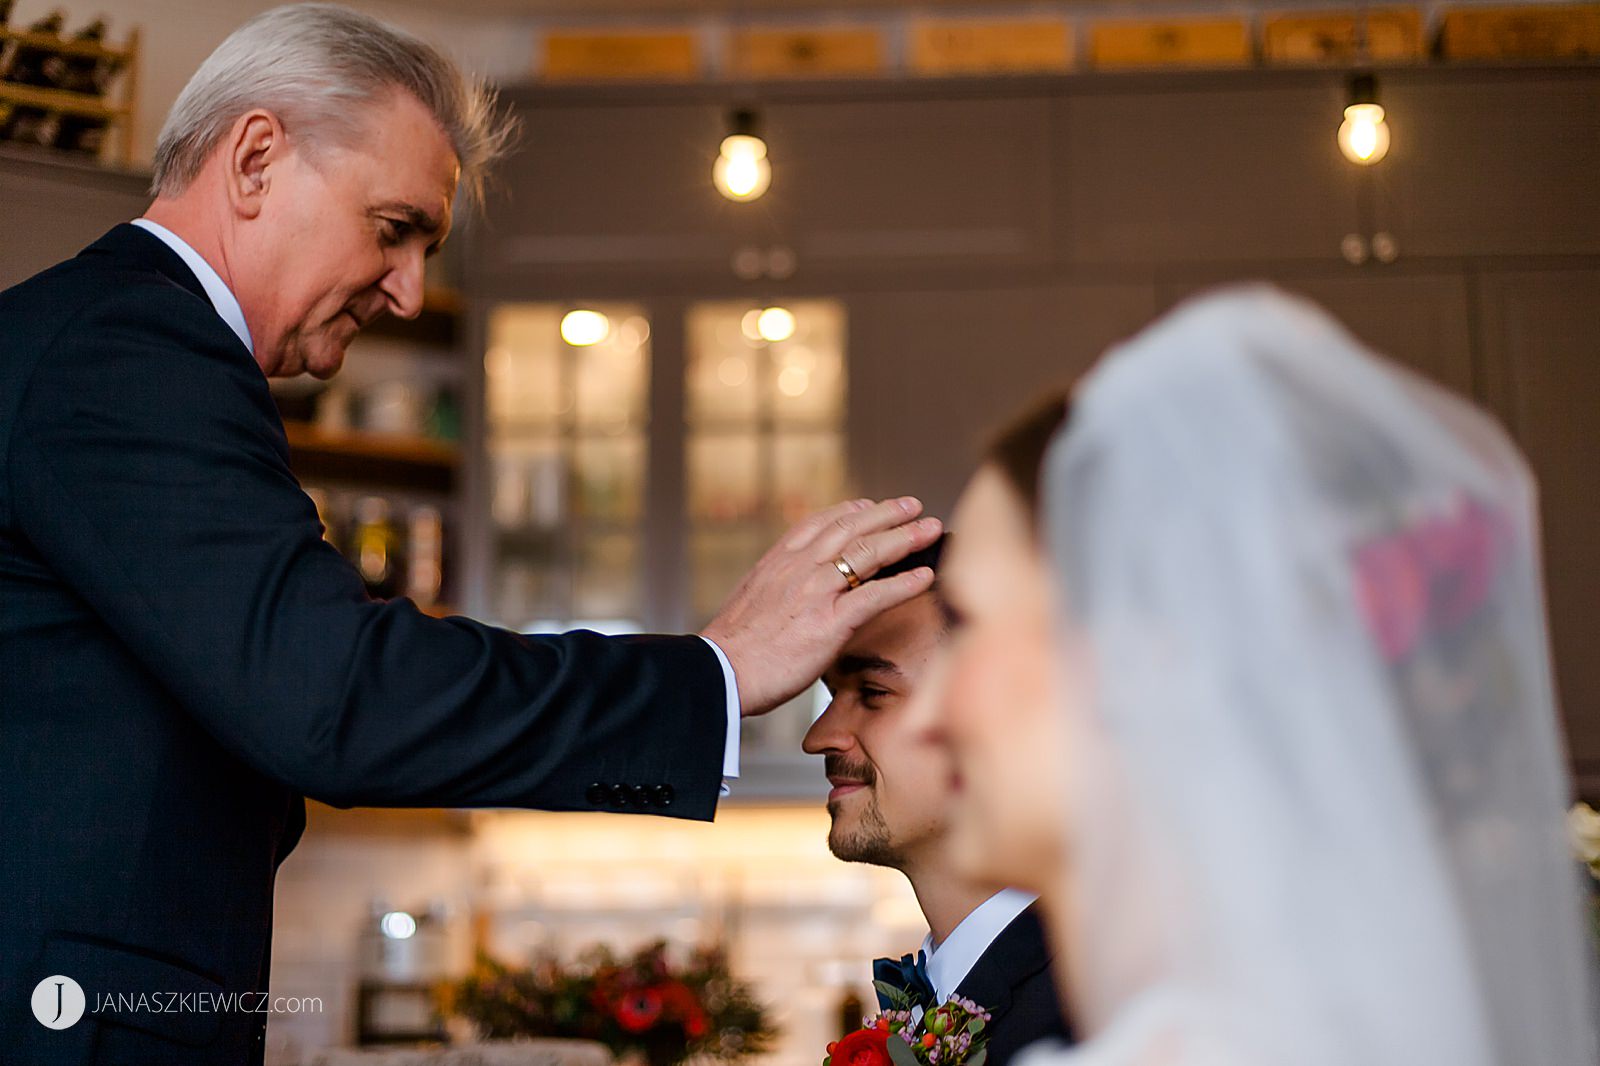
(1364, 135)
(742, 170)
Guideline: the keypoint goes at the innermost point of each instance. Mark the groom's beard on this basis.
(864, 837)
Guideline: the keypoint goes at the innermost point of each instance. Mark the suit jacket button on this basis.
(664, 795)
(643, 796)
(598, 795)
(621, 795)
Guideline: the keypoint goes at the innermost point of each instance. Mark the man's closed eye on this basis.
(872, 696)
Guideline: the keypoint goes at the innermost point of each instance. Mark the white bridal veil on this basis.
(1317, 782)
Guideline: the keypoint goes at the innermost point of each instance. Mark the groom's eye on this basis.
(872, 694)
(395, 231)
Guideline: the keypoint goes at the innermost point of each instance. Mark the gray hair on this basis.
(314, 66)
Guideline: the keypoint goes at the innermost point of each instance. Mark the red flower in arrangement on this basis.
(638, 1009)
(864, 1047)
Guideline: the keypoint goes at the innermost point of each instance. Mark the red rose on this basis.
(638, 1010)
(864, 1047)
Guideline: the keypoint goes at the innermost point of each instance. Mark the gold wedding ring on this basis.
(849, 572)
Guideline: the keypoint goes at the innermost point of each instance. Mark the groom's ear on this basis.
(256, 144)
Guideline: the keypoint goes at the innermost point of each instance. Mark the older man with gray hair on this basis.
(183, 658)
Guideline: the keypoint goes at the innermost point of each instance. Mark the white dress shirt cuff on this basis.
(730, 751)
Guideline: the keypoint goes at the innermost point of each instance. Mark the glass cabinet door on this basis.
(764, 446)
(567, 423)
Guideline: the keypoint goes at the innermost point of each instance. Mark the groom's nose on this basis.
(402, 285)
(826, 733)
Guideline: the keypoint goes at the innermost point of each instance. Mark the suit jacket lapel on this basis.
(1020, 951)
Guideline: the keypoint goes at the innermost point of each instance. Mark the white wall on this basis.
(179, 34)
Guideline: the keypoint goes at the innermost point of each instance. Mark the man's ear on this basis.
(256, 145)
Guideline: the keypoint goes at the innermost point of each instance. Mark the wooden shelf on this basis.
(381, 459)
(49, 42)
(62, 101)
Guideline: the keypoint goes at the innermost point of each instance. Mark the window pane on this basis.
(522, 368)
(808, 472)
(724, 477)
(608, 474)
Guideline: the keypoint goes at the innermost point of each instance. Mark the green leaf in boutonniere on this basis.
(978, 1057)
(899, 998)
(975, 1026)
(900, 1052)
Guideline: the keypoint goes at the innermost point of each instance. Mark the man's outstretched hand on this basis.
(793, 612)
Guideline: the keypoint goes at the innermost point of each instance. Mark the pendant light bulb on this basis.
(742, 171)
(1364, 135)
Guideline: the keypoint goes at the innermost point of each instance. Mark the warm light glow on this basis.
(584, 328)
(775, 324)
(733, 372)
(398, 925)
(1364, 135)
(793, 381)
(742, 171)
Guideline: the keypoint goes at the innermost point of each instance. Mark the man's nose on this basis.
(403, 285)
(825, 735)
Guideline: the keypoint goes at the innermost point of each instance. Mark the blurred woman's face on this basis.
(998, 703)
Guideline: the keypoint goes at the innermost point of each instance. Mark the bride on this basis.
(1250, 683)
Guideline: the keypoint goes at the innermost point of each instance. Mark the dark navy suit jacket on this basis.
(1012, 980)
(182, 658)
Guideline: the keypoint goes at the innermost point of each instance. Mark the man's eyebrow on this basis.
(414, 216)
(860, 664)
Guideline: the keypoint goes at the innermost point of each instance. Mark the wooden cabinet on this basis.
(603, 195)
(1420, 320)
(1225, 169)
(1491, 163)
(922, 182)
(933, 373)
(1541, 338)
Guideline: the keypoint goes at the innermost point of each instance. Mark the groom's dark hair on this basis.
(928, 557)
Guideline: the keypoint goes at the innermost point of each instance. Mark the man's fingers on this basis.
(832, 540)
(867, 555)
(805, 531)
(862, 605)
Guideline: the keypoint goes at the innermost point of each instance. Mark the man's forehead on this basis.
(895, 635)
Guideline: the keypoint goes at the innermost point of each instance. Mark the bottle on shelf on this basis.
(32, 65)
(377, 549)
(91, 76)
(425, 549)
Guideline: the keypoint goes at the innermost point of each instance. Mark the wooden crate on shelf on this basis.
(1382, 35)
(1531, 31)
(1211, 42)
(117, 113)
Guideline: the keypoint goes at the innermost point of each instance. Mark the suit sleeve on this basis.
(149, 469)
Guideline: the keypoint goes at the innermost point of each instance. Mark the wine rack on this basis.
(116, 107)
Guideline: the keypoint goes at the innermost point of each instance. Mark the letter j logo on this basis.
(58, 1002)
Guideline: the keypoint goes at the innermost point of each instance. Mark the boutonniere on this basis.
(907, 1035)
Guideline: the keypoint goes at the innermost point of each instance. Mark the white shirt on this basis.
(227, 307)
(950, 962)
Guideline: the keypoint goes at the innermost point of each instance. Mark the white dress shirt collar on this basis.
(222, 298)
(951, 961)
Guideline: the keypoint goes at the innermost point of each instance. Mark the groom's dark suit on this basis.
(1012, 981)
(182, 657)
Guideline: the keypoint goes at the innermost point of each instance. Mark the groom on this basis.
(182, 656)
(889, 788)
